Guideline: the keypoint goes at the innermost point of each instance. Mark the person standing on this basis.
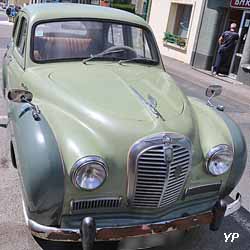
(227, 42)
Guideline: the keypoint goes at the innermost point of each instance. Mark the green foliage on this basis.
(124, 6)
(171, 38)
(122, 1)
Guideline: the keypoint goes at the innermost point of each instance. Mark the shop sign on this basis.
(243, 4)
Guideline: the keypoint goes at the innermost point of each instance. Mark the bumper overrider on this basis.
(88, 233)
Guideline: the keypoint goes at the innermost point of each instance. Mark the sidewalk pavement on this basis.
(234, 89)
(6, 23)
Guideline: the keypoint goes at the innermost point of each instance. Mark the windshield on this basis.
(78, 40)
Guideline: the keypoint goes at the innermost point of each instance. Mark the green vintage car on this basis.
(106, 145)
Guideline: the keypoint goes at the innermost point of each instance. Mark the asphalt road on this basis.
(15, 236)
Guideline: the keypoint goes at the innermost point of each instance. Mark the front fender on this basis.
(216, 128)
(40, 165)
(240, 154)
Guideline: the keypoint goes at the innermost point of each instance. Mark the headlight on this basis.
(219, 159)
(89, 173)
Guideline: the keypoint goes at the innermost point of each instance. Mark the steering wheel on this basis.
(131, 52)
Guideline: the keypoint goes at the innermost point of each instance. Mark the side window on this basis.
(14, 31)
(22, 34)
(115, 35)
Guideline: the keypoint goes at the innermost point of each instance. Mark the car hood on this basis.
(118, 90)
(94, 110)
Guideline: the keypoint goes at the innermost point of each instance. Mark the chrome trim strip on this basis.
(213, 187)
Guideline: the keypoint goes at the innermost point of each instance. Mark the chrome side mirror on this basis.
(211, 92)
(24, 96)
(20, 95)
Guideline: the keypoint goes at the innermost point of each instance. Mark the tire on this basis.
(12, 154)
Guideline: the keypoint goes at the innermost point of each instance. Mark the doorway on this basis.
(244, 27)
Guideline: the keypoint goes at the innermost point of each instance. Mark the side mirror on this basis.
(213, 91)
(20, 95)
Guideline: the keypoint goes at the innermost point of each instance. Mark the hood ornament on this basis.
(151, 103)
(166, 140)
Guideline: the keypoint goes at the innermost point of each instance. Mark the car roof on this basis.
(45, 11)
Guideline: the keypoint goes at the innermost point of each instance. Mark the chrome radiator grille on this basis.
(151, 176)
(178, 171)
(160, 170)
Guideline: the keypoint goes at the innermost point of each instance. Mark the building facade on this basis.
(188, 30)
(216, 18)
(175, 24)
(95, 2)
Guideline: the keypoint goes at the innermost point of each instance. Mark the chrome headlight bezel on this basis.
(220, 149)
(83, 163)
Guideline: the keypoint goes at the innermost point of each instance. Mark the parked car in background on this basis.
(106, 145)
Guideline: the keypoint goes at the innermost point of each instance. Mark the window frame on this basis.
(15, 27)
(193, 4)
(17, 42)
(155, 52)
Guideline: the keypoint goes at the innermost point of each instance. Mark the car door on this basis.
(16, 56)
(15, 61)
(8, 56)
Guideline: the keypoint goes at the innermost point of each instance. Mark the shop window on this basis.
(178, 24)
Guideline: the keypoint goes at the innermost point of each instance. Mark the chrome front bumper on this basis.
(118, 233)
(234, 206)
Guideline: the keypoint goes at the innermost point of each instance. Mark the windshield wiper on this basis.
(140, 59)
(104, 53)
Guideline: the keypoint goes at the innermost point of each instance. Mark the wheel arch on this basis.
(40, 165)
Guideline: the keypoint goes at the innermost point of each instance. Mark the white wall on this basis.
(160, 11)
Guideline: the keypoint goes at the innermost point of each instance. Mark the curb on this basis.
(224, 79)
